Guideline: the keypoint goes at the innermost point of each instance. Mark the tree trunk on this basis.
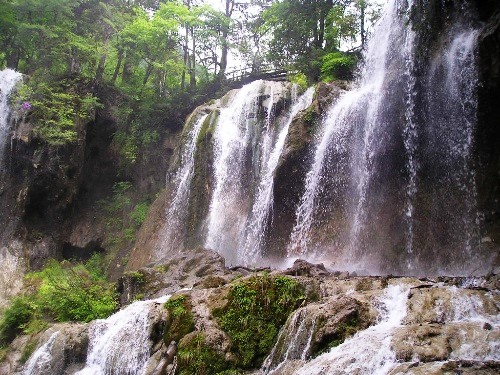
(149, 69)
(192, 80)
(127, 70)
(225, 34)
(117, 67)
(100, 69)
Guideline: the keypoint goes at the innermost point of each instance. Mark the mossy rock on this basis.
(196, 357)
(180, 320)
(257, 307)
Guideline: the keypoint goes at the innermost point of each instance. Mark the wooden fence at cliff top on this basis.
(249, 74)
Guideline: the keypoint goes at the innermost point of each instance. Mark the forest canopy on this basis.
(169, 54)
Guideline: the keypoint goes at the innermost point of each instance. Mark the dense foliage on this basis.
(180, 319)
(256, 310)
(60, 292)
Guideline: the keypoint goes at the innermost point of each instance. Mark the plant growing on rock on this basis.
(60, 292)
(257, 308)
(180, 321)
(197, 358)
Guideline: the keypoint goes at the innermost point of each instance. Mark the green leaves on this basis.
(338, 65)
(257, 308)
(60, 292)
(55, 110)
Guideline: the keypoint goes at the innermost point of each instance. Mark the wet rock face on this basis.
(61, 349)
(198, 267)
(448, 324)
(293, 165)
(488, 134)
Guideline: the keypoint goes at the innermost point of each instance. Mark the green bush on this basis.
(55, 108)
(197, 358)
(337, 65)
(60, 292)
(180, 321)
(257, 308)
(15, 318)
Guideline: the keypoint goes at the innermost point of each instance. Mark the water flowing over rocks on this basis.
(345, 324)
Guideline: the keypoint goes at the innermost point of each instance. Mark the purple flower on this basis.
(26, 106)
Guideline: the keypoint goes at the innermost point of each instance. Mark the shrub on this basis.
(55, 108)
(180, 321)
(15, 318)
(60, 292)
(337, 65)
(257, 308)
(197, 358)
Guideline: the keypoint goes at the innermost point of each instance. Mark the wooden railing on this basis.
(251, 74)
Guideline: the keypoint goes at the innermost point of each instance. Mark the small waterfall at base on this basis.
(120, 344)
(392, 180)
(297, 340)
(40, 360)
(8, 79)
(368, 352)
(173, 233)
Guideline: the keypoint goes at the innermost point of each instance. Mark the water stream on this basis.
(251, 246)
(120, 344)
(368, 352)
(173, 233)
(8, 80)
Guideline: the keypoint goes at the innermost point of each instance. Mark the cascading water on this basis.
(232, 135)
(251, 247)
(173, 234)
(249, 138)
(8, 79)
(40, 360)
(392, 167)
(369, 351)
(111, 349)
(296, 337)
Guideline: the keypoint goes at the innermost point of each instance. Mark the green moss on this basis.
(136, 277)
(208, 127)
(163, 268)
(195, 357)
(309, 117)
(257, 308)
(180, 321)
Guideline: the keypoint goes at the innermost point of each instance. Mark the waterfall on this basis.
(41, 360)
(8, 79)
(296, 336)
(369, 351)
(172, 236)
(256, 224)
(121, 343)
(451, 116)
(410, 135)
(392, 182)
(231, 138)
(249, 137)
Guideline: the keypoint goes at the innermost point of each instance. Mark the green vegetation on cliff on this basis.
(60, 292)
(257, 308)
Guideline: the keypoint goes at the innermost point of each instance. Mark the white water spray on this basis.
(251, 247)
(368, 352)
(173, 233)
(120, 344)
(8, 80)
